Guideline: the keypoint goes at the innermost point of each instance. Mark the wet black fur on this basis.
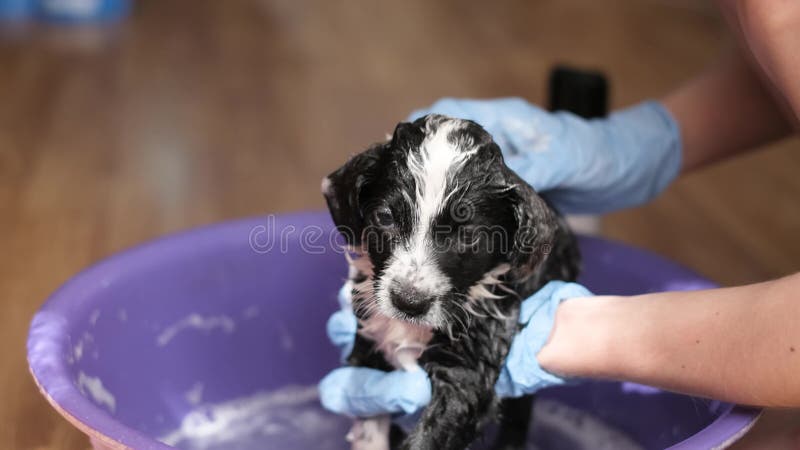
(463, 371)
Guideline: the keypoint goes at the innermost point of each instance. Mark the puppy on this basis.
(446, 242)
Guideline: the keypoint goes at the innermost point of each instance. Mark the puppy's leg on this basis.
(515, 416)
(463, 372)
(460, 403)
(369, 433)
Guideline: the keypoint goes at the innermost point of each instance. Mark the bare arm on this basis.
(723, 112)
(749, 98)
(737, 344)
(769, 33)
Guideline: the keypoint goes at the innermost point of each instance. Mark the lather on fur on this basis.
(447, 241)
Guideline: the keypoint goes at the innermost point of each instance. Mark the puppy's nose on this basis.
(409, 300)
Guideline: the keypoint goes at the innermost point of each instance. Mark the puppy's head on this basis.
(440, 217)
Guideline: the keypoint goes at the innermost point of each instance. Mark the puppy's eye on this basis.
(384, 218)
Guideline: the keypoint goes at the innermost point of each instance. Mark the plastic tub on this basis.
(215, 338)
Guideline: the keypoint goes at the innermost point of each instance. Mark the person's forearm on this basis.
(735, 344)
(769, 33)
(724, 112)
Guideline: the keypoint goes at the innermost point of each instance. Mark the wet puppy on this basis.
(446, 241)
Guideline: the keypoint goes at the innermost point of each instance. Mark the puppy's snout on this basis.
(409, 300)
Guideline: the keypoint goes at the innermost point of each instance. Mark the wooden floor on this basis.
(200, 111)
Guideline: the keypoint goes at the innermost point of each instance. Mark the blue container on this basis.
(83, 11)
(16, 10)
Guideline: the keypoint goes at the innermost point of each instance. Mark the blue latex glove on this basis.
(342, 324)
(521, 373)
(582, 166)
(362, 392)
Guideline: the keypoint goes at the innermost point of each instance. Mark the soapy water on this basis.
(291, 417)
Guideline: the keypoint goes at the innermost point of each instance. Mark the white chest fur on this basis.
(401, 342)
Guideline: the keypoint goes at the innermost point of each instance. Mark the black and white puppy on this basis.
(447, 241)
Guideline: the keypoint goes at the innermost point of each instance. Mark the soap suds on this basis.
(290, 417)
(196, 321)
(93, 386)
(94, 316)
(79, 349)
(195, 394)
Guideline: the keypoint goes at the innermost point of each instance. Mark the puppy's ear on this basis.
(536, 230)
(544, 248)
(342, 190)
(409, 135)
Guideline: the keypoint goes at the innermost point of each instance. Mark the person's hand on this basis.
(363, 392)
(582, 166)
(521, 374)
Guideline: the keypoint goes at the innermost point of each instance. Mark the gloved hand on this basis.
(363, 392)
(582, 166)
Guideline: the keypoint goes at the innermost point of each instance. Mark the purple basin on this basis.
(215, 338)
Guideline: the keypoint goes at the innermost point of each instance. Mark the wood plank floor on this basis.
(201, 111)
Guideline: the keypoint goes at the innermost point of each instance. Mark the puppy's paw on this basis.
(370, 434)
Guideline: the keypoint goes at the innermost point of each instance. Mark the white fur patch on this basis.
(480, 290)
(325, 186)
(400, 342)
(481, 295)
(436, 163)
